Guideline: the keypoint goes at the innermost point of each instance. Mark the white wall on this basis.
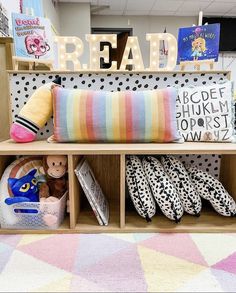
(75, 21)
(52, 13)
(142, 25)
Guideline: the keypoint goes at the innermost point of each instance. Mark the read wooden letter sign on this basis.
(132, 56)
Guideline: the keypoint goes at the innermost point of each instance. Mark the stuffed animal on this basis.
(55, 168)
(34, 114)
(24, 189)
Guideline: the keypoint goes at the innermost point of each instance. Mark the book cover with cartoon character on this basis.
(199, 43)
(32, 37)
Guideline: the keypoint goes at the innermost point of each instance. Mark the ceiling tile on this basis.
(219, 7)
(214, 14)
(136, 12)
(111, 12)
(118, 5)
(194, 5)
(186, 13)
(230, 14)
(162, 12)
(232, 10)
(140, 5)
(167, 5)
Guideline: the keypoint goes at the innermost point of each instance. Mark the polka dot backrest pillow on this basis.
(101, 116)
(206, 113)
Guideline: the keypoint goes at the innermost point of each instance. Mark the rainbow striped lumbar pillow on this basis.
(128, 116)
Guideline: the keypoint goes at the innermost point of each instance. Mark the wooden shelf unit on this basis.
(108, 163)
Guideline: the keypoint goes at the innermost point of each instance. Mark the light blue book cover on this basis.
(32, 37)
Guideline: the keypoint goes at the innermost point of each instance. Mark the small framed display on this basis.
(198, 43)
(32, 37)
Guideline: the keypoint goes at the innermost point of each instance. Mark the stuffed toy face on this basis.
(56, 166)
(24, 188)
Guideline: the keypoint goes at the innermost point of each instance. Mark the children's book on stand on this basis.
(32, 39)
(198, 45)
(93, 192)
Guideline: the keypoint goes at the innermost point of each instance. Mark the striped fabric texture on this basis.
(128, 116)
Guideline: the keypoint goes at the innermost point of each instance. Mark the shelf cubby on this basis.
(106, 169)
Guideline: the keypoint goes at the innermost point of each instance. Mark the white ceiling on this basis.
(162, 7)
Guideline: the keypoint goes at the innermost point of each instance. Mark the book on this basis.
(93, 192)
(199, 43)
(32, 37)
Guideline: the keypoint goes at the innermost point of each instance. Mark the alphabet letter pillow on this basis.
(205, 113)
(129, 116)
(163, 189)
(212, 190)
(190, 198)
(139, 189)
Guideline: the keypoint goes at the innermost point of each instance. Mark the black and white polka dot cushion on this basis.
(163, 189)
(190, 198)
(212, 190)
(139, 189)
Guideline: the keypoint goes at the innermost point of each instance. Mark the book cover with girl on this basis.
(32, 37)
(199, 43)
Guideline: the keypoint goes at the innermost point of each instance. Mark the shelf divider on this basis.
(74, 190)
(122, 191)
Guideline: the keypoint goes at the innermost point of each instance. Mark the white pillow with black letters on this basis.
(178, 174)
(163, 189)
(206, 113)
(139, 189)
(212, 190)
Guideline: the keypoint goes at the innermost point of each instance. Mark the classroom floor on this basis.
(118, 263)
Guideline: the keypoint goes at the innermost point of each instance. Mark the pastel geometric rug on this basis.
(118, 263)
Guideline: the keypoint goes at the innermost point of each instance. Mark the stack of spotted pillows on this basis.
(175, 189)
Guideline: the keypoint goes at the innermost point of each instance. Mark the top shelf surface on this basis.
(43, 147)
(117, 72)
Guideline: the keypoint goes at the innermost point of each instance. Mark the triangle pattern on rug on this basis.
(166, 273)
(178, 245)
(11, 240)
(59, 251)
(226, 280)
(60, 285)
(119, 272)
(205, 281)
(31, 238)
(213, 246)
(79, 284)
(228, 264)
(5, 254)
(24, 273)
(93, 248)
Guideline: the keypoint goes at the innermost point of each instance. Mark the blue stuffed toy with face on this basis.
(24, 189)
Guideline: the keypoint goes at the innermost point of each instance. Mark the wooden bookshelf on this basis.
(108, 163)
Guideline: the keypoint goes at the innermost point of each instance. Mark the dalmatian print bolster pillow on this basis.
(212, 190)
(163, 189)
(178, 174)
(139, 189)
